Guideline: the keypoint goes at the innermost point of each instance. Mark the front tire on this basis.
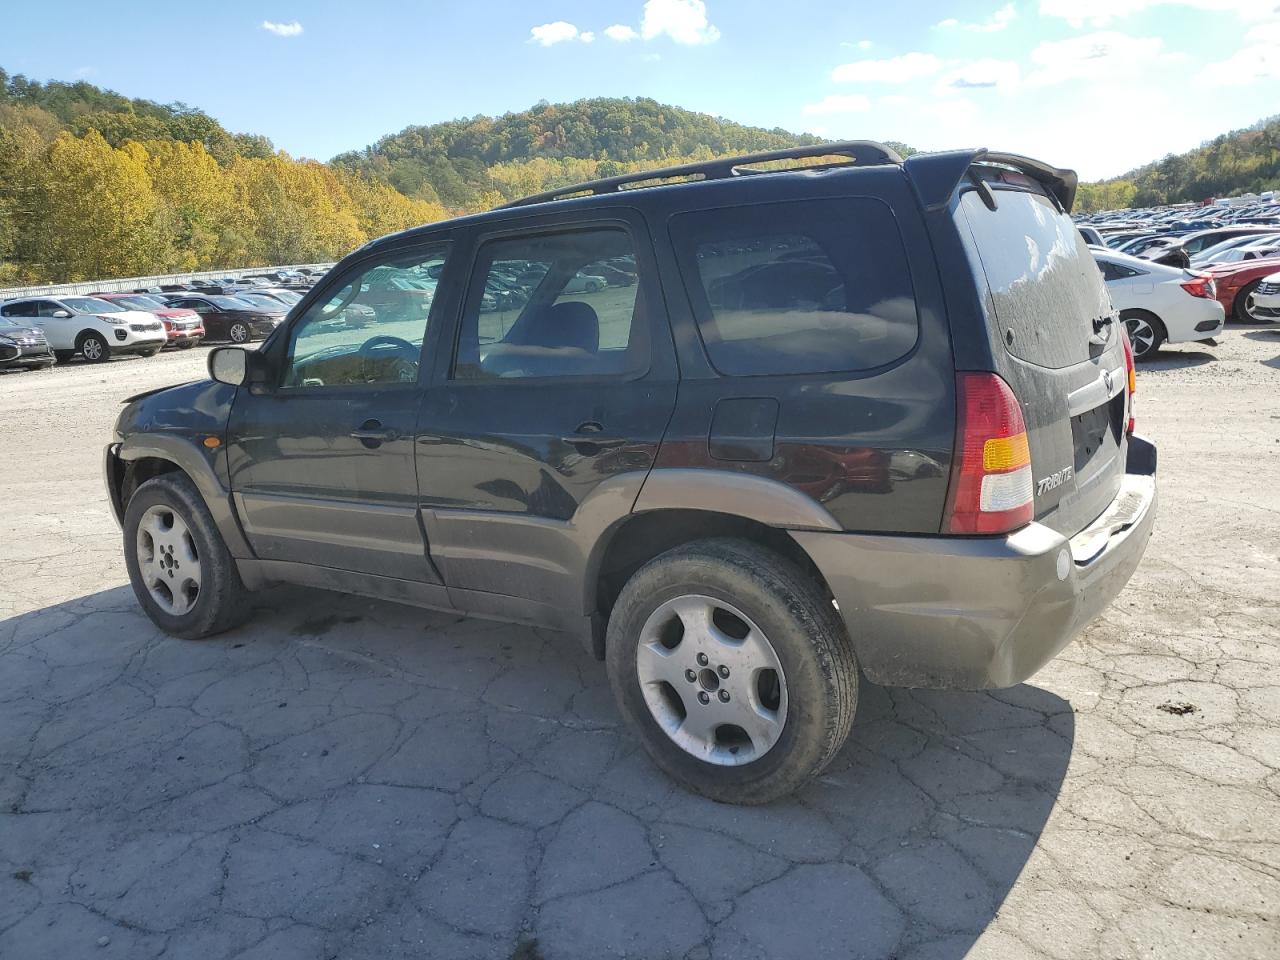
(734, 669)
(149, 353)
(180, 569)
(63, 356)
(1244, 306)
(1146, 333)
(94, 348)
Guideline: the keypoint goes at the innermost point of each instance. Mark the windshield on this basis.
(232, 303)
(139, 303)
(259, 300)
(91, 305)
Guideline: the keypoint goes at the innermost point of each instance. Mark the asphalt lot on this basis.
(348, 778)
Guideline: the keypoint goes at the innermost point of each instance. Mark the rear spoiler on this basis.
(935, 176)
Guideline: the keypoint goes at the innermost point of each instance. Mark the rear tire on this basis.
(774, 680)
(171, 545)
(1146, 333)
(239, 332)
(94, 348)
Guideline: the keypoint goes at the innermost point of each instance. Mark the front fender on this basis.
(194, 461)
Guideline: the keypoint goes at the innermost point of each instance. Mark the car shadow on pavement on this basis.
(1170, 359)
(346, 777)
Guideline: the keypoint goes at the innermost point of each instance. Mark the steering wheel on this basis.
(402, 346)
(402, 357)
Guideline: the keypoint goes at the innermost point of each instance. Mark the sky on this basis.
(1101, 86)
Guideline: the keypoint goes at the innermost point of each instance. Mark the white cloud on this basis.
(837, 103)
(622, 33)
(984, 73)
(586, 36)
(997, 21)
(558, 31)
(290, 29)
(1258, 60)
(861, 44)
(1100, 13)
(1106, 55)
(684, 21)
(909, 66)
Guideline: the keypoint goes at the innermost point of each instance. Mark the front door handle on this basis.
(372, 434)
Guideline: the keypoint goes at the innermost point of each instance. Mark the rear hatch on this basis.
(1055, 339)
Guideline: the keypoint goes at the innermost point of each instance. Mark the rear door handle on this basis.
(591, 434)
(372, 434)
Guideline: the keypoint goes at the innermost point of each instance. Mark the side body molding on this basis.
(740, 494)
(194, 461)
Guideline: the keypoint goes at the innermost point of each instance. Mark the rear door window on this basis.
(1046, 288)
(801, 287)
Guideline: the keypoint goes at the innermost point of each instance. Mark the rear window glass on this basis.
(1045, 286)
(809, 287)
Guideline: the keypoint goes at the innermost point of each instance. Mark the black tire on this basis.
(186, 344)
(1146, 333)
(1240, 307)
(149, 353)
(63, 356)
(807, 635)
(94, 347)
(239, 332)
(222, 601)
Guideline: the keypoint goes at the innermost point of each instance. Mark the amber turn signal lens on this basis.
(213, 443)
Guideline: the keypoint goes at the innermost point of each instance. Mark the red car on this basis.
(1236, 283)
(184, 327)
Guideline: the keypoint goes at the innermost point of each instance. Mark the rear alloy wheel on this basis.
(238, 332)
(1145, 334)
(734, 669)
(94, 348)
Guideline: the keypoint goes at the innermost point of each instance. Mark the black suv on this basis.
(858, 414)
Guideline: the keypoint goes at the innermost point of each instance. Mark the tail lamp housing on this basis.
(991, 490)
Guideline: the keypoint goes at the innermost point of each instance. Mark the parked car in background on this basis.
(231, 318)
(93, 328)
(1237, 283)
(1159, 304)
(23, 346)
(184, 328)
(1091, 236)
(1218, 251)
(1263, 305)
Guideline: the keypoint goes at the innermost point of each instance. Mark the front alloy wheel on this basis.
(711, 680)
(168, 561)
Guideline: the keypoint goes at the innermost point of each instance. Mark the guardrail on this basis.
(133, 283)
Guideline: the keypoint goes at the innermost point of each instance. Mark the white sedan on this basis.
(1264, 302)
(1159, 304)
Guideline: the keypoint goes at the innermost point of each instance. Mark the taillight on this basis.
(1131, 376)
(991, 484)
(1202, 285)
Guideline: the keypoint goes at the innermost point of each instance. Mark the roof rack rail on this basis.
(857, 152)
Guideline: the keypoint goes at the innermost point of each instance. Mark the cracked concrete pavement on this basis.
(348, 778)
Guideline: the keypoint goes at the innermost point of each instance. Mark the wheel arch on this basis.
(143, 458)
(1237, 303)
(642, 536)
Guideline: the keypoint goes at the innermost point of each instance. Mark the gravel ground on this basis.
(347, 778)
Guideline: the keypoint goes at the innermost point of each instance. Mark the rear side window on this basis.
(802, 287)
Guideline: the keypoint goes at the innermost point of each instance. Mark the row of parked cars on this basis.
(37, 332)
(1177, 275)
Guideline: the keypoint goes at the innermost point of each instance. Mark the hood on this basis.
(176, 313)
(198, 408)
(21, 332)
(130, 316)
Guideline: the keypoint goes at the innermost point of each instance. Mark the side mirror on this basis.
(61, 314)
(229, 365)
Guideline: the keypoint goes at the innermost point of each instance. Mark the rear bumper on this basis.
(977, 613)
